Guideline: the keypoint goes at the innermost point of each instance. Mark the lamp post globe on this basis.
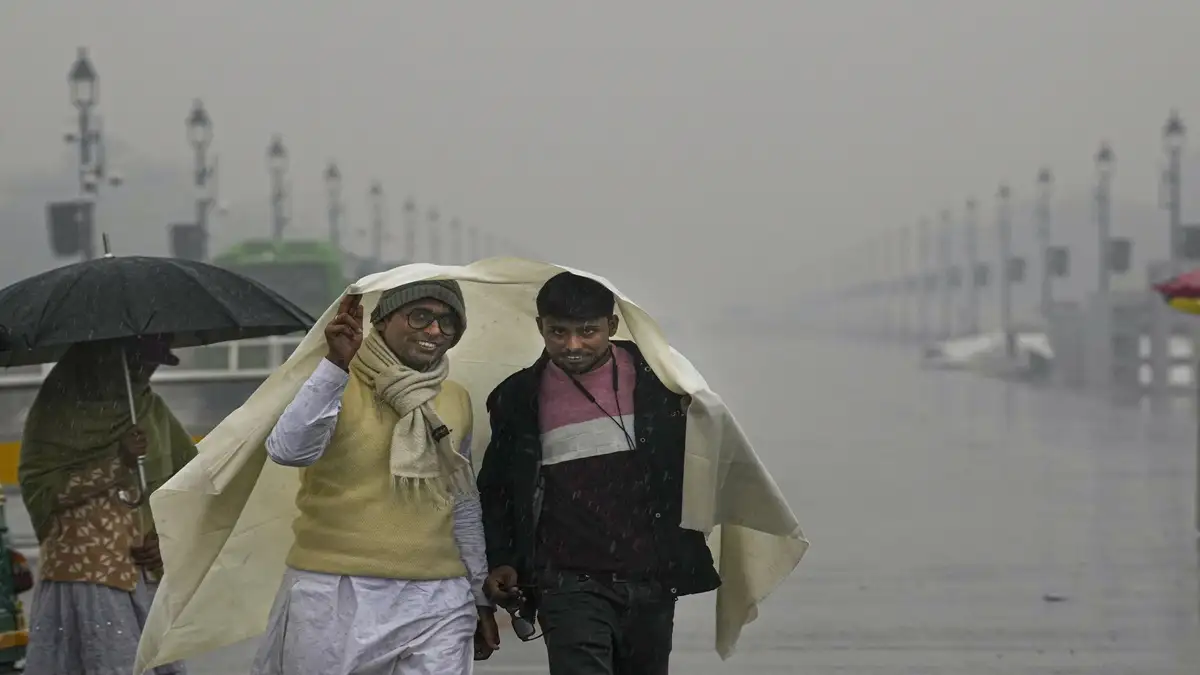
(199, 126)
(333, 178)
(1104, 160)
(1174, 131)
(85, 91)
(277, 156)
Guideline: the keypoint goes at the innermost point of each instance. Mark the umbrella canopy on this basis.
(1182, 293)
(1185, 285)
(189, 303)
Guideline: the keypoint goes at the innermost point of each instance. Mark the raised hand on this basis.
(344, 333)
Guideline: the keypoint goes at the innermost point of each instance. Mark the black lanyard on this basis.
(616, 385)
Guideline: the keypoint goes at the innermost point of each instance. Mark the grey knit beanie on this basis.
(443, 290)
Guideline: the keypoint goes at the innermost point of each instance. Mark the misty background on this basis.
(702, 154)
(720, 162)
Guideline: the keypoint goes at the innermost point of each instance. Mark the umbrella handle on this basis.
(124, 495)
(129, 499)
(128, 387)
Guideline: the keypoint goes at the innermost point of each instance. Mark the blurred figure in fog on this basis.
(582, 492)
(100, 560)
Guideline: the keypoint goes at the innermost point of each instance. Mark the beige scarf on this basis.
(423, 460)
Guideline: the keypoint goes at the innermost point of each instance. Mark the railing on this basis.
(1133, 364)
(243, 360)
(1181, 364)
(1077, 332)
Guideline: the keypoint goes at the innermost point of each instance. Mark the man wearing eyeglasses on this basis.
(582, 492)
(386, 573)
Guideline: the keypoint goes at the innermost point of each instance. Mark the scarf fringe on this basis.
(440, 492)
(427, 491)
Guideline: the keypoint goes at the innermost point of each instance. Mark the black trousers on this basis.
(605, 626)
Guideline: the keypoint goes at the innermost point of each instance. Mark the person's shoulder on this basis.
(629, 349)
(509, 383)
(629, 346)
(511, 386)
(453, 403)
(644, 374)
(158, 405)
(454, 391)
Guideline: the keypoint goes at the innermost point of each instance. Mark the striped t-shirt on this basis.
(595, 515)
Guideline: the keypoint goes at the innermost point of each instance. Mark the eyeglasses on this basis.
(420, 319)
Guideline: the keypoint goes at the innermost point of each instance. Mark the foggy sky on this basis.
(732, 144)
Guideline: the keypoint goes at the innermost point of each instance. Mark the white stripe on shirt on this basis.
(591, 438)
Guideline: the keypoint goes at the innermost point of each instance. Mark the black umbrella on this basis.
(191, 303)
(185, 302)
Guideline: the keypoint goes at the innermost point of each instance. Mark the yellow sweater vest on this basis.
(352, 520)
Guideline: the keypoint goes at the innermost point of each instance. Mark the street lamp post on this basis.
(1174, 135)
(1104, 169)
(435, 236)
(1103, 333)
(375, 195)
(971, 278)
(1045, 186)
(1004, 230)
(923, 329)
(333, 192)
(945, 263)
(410, 230)
(200, 135)
(473, 238)
(85, 95)
(277, 164)
(456, 241)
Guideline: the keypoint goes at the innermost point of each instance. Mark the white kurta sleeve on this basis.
(306, 425)
(468, 534)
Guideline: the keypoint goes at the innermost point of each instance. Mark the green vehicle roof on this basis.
(289, 250)
(290, 268)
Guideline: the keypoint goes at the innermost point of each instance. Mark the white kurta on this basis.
(325, 624)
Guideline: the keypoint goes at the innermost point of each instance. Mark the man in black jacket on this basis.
(582, 488)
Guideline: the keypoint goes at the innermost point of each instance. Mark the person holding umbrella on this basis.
(98, 441)
(94, 425)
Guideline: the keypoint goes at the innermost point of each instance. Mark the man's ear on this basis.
(613, 324)
(538, 321)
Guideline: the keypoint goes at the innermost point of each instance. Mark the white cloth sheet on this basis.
(224, 521)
